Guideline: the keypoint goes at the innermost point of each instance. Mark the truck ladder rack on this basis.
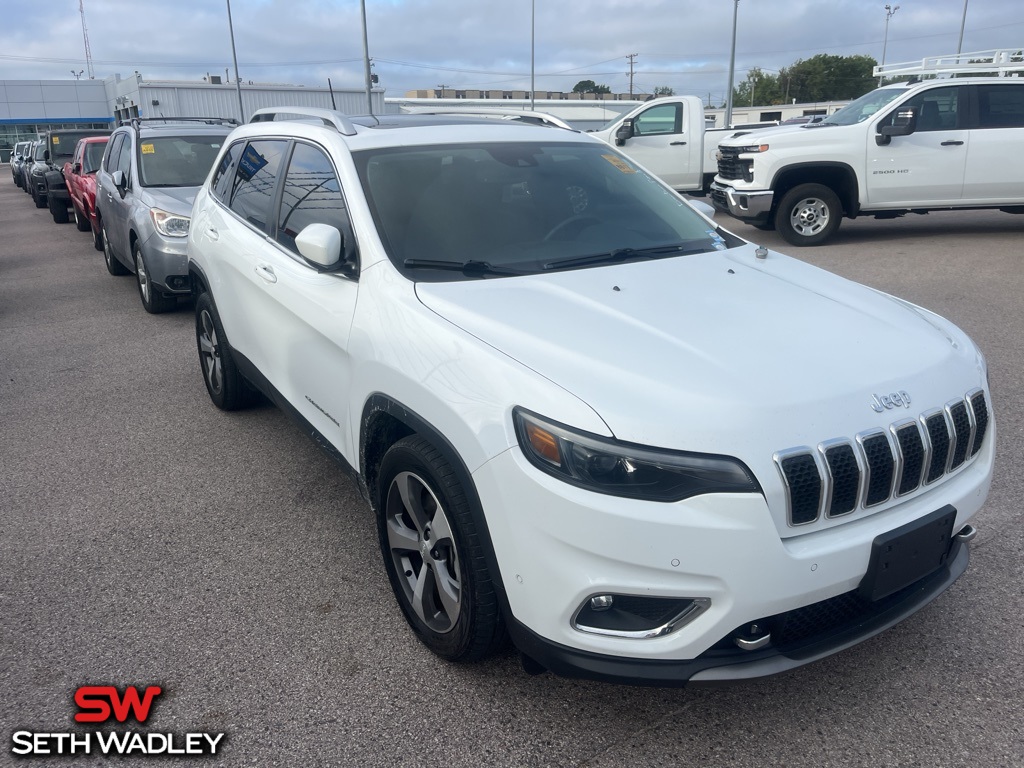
(1000, 62)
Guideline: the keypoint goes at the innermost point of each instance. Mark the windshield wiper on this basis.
(471, 267)
(622, 254)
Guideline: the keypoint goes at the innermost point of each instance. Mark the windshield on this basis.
(481, 210)
(93, 155)
(860, 110)
(177, 161)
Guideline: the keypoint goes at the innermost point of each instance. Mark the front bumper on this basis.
(751, 207)
(557, 546)
(167, 263)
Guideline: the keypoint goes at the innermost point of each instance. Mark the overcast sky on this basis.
(420, 44)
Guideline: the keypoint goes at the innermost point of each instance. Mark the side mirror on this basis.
(624, 132)
(46, 155)
(321, 244)
(904, 123)
(120, 182)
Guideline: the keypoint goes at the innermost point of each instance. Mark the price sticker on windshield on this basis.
(619, 163)
(148, 149)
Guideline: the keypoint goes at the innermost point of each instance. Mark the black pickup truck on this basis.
(48, 187)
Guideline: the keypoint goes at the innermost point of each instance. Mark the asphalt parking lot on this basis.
(148, 538)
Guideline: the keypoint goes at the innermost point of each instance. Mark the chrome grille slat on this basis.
(878, 465)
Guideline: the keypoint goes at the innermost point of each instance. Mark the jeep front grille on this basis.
(842, 475)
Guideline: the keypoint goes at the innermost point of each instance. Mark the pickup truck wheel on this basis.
(81, 220)
(432, 553)
(114, 266)
(809, 214)
(153, 301)
(39, 200)
(58, 209)
(228, 389)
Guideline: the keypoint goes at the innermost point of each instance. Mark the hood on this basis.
(718, 352)
(177, 200)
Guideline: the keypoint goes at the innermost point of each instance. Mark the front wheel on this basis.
(433, 555)
(39, 200)
(58, 209)
(81, 220)
(808, 214)
(153, 300)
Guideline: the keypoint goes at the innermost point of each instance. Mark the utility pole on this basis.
(960, 42)
(366, 62)
(88, 51)
(440, 90)
(890, 11)
(632, 59)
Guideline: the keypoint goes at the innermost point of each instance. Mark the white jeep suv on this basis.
(584, 415)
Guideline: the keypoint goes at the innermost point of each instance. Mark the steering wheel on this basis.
(578, 221)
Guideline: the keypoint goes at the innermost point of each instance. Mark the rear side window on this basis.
(220, 185)
(312, 194)
(256, 181)
(123, 162)
(1000, 106)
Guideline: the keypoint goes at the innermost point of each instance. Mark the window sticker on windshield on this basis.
(716, 240)
(56, 139)
(148, 149)
(619, 163)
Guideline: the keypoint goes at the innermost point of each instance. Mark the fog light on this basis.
(601, 602)
(636, 617)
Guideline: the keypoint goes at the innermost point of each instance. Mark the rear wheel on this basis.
(228, 389)
(114, 266)
(808, 214)
(433, 555)
(154, 300)
(81, 220)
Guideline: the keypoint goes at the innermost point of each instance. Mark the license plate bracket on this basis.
(908, 553)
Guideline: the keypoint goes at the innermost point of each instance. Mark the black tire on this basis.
(154, 300)
(81, 221)
(58, 209)
(808, 214)
(427, 534)
(39, 200)
(114, 267)
(226, 386)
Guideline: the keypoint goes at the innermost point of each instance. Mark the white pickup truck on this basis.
(668, 137)
(913, 147)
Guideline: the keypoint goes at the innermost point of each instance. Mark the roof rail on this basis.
(999, 61)
(329, 117)
(136, 121)
(520, 115)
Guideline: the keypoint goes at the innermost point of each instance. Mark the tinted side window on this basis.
(311, 195)
(664, 118)
(938, 109)
(220, 185)
(110, 162)
(124, 157)
(255, 181)
(1000, 106)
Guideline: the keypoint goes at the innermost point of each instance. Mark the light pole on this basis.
(238, 79)
(533, 39)
(960, 42)
(78, 74)
(732, 66)
(366, 62)
(890, 11)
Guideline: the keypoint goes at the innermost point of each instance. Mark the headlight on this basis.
(754, 148)
(624, 469)
(169, 224)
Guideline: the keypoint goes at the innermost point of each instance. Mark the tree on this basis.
(823, 77)
(589, 86)
(663, 90)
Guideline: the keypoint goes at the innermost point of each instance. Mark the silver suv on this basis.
(151, 171)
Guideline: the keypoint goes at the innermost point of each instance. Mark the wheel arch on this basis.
(839, 177)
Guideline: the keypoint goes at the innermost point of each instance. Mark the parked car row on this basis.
(585, 416)
(133, 189)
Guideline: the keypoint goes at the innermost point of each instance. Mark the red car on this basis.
(80, 177)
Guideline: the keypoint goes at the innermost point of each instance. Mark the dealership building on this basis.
(29, 108)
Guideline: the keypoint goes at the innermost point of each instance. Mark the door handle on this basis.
(212, 233)
(266, 272)
(951, 143)
(677, 143)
